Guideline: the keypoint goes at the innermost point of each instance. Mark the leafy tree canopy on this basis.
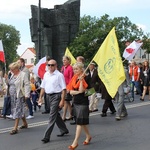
(93, 31)
(11, 39)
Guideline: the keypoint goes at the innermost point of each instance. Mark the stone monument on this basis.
(58, 28)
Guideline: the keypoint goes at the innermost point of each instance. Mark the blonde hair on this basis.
(68, 58)
(14, 65)
(79, 65)
(32, 78)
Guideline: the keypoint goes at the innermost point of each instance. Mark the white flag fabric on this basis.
(2, 56)
(131, 50)
(40, 68)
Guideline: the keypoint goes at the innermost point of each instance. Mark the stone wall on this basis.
(58, 28)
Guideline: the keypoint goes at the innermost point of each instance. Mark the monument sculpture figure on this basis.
(58, 28)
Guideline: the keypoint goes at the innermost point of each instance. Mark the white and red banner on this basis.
(40, 68)
(2, 56)
(131, 50)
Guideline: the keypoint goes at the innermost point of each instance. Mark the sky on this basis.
(18, 12)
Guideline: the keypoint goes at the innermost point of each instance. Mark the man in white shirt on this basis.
(46, 102)
(53, 84)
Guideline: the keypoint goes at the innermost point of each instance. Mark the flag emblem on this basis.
(130, 50)
(109, 66)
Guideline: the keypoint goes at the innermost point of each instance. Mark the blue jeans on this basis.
(34, 100)
(29, 104)
(137, 85)
(6, 106)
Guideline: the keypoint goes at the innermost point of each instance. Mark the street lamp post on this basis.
(39, 31)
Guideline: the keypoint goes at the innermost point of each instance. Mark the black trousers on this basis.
(108, 104)
(46, 102)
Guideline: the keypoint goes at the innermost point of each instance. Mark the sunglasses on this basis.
(52, 65)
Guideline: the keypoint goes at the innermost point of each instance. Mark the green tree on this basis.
(146, 41)
(11, 39)
(93, 31)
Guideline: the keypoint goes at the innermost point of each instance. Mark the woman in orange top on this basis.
(77, 87)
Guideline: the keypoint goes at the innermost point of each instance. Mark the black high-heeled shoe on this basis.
(45, 140)
(142, 99)
(103, 115)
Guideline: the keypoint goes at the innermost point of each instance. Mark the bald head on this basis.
(52, 61)
(52, 65)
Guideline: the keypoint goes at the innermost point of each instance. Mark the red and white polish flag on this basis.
(131, 50)
(40, 68)
(2, 55)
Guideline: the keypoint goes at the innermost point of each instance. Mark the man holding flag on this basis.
(109, 64)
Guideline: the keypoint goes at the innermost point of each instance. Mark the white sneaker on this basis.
(29, 117)
(124, 114)
(118, 118)
(9, 116)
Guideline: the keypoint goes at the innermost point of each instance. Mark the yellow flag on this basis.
(110, 67)
(68, 53)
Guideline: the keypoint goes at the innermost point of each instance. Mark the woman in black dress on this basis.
(77, 87)
(146, 79)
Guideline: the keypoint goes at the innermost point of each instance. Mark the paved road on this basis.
(131, 133)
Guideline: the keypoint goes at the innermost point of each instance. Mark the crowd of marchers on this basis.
(63, 93)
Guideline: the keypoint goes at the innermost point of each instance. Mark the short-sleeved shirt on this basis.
(53, 82)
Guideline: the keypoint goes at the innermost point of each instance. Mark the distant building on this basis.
(29, 56)
(141, 56)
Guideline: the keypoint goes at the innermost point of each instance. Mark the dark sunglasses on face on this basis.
(52, 65)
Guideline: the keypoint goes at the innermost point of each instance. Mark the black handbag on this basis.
(68, 97)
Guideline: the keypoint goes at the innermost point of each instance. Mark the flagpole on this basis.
(86, 68)
(5, 67)
(5, 64)
(39, 32)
